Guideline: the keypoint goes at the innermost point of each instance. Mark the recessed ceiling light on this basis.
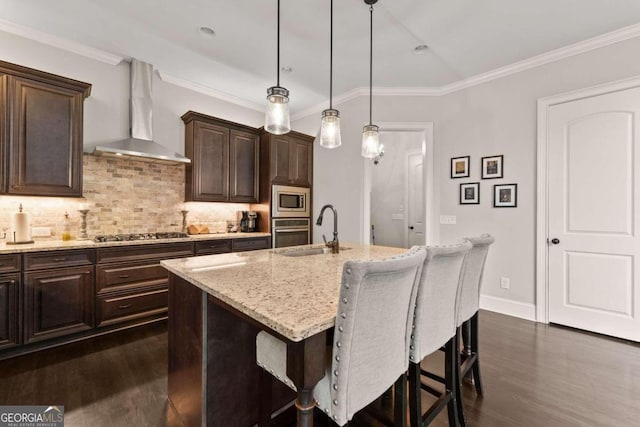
(286, 69)
(420, 49)
(207, 31)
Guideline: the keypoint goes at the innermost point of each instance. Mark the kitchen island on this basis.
(218, 304)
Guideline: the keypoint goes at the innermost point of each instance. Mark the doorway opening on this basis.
(399, 188)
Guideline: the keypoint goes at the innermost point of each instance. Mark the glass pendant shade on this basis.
(276, 119)
(370, 142)
(330, 129)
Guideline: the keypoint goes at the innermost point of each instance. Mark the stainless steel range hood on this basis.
(140, 146)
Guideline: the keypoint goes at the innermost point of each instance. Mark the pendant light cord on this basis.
(371, 66)
(331, 58)
(278, 50)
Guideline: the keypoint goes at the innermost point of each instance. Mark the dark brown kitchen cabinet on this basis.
(4, 133)
(44, 114)
(58, 302)
(288, 159)
(224, 160)
(9, 310)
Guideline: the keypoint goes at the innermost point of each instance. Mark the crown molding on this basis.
(61, 43)
(584, 46)
(206, 90)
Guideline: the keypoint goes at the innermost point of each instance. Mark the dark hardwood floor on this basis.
(534, 375)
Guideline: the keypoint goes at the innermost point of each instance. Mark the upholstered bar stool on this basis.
(370, 351)
(434, 327)
(469, 305)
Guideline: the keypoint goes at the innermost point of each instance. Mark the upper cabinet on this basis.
(289, 158)
(224, 160)
(43, 117)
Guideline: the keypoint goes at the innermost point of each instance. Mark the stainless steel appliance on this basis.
(290, 202)
(290, 232)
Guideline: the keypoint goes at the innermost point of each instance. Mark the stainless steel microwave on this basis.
(290, 202)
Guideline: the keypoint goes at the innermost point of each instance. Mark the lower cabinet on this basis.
(58, 302)
(116, 308)
(9, 310)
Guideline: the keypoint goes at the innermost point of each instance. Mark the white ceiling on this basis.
(466, 38)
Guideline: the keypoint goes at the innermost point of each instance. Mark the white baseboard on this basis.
(508, 307)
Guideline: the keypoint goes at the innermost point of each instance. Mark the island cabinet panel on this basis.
(58, 302)
(9, 310)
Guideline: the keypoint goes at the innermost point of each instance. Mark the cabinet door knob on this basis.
(59, 259)
(555, 241)
(411, 227)
(124, 276)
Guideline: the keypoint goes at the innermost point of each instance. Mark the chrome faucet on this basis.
(334, 244)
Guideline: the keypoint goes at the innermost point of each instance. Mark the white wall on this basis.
(388, 179)
(498, 117)
(106, 116)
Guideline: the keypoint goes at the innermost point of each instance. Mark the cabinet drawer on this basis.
(9, 263)
(140, 252)
(250, 244)
(122, 276)
(56, 259)
(125, 307)
(213, 247)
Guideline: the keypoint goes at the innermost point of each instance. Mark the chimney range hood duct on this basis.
(140, 146)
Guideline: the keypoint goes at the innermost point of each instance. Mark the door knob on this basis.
(411, 227)
(555, 241)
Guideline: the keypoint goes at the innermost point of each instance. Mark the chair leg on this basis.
(452, 355)
(456, 381)
(415, 405)
(477, 380)
(400, 402)
(264, 401)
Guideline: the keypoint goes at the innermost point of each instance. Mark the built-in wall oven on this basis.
(290, 216)
(290, 232)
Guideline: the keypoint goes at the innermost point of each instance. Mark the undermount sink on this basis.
(310, 251)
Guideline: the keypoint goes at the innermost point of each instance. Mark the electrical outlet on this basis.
(448, 219)
(41, 231)
(505, 282)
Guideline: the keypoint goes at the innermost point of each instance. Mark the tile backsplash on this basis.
(123, 196)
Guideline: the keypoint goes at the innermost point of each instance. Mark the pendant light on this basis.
(370, 136)
(277, 119)
(330, 125)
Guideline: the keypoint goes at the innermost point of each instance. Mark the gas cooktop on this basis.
(139, 236)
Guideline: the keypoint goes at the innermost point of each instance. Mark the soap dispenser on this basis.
(66, 228)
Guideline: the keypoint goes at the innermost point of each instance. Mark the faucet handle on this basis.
(325, 239)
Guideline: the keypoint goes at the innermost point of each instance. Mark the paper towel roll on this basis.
(20, 228)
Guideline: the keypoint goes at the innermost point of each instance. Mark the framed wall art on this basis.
(505, 196)
(460, 167)
(492, 167)
(470, 193)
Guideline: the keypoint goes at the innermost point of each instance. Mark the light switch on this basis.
(505, 282)
(448, 219)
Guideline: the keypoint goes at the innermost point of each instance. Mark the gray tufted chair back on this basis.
(372, 331)
(472, 278)
(437, 299)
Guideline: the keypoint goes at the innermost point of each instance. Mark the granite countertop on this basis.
(295, 296)
(56, 245)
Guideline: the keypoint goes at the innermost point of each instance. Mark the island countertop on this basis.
(294, 296)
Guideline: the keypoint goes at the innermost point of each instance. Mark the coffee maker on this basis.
(248, 221)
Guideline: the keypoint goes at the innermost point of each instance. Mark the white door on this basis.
(593, 196)
(415, 202)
